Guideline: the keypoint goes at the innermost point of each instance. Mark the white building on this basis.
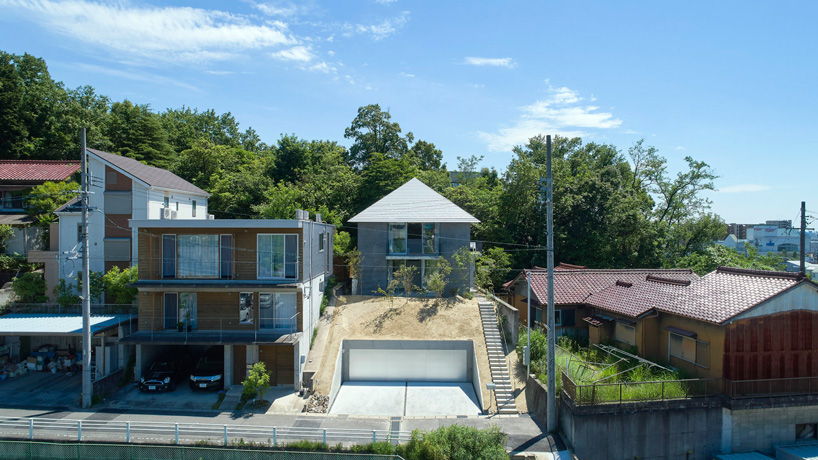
(121, 189)
(771, 238)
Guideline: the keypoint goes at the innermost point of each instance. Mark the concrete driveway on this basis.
(183, 398)
(41, 389)
(409, 399)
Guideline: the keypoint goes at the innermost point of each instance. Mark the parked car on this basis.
(208, 374)
(163, 375)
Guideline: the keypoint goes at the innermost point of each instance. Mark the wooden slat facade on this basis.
(280, 361)
(782, 345)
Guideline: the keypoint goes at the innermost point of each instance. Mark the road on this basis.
(524, 432)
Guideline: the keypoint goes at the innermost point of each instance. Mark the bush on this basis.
(15, 263)
(257, 381)
(66, 295)
(455, 442)
(116, 281)
(29, 288)
(539, 344)
(6, 233)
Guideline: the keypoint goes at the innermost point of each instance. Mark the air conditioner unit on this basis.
(211, 217)
(173, 214)
(167, 213)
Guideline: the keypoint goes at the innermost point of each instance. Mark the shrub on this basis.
(6, 233)
(29, 288)
(455, 442)
(66, 295)
(257, 381)
(116, 281)
(539, 344)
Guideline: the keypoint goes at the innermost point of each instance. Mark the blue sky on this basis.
(729, 83)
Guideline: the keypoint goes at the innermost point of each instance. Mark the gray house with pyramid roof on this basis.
(414, 226)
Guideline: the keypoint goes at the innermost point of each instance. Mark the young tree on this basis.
(406, 277)
(354, 260)
(29, 288)
(437, 280)
(389, 292)
(47, 197)
(257, 381)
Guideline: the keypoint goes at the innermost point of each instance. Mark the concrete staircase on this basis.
(504, 392)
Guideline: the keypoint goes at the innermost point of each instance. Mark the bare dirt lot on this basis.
(365, 317)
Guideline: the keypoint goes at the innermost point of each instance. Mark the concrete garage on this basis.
(407, 378)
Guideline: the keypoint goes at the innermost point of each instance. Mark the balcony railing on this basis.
(215, 328)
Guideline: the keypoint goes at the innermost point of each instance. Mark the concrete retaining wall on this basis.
(682, 430)
(758, 425)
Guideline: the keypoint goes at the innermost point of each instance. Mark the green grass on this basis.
(602, 377)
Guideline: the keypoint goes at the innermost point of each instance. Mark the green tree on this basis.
(491, 268)
(45, 198)
(29, 288)
(116, 283)
(373, 132)
(137, 132)
(406, 277)
(257, 380)
(382, 176)
(280, 202)
(714, 256)
(6, 233)
(185, 127)
(426, 156)
(438, 277)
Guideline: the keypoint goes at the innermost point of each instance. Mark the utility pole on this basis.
(803, 237)
(552, 378)
(87, 386)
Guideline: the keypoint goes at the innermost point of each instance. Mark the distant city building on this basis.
(771, 238)
(739, 230)
(780, 223)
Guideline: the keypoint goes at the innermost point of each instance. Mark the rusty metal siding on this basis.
(782, 345)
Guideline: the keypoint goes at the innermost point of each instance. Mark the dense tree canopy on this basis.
(610, 209)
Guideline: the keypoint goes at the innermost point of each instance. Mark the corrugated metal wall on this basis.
(782, 345)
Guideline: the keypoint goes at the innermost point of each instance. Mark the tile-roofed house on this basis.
(639, 297)
(411, 226)
(36, 171)
(573, 286)
(17, 177)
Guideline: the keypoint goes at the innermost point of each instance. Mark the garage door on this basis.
(408, 365)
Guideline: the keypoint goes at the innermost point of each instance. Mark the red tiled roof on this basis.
(575, 285)
(715, 298)
(37, 170)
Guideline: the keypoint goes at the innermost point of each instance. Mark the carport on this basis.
(24, 335)
(406, 377)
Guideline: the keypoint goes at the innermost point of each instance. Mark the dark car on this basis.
(209, 371)
(163, 375)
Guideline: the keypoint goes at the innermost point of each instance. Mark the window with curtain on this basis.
(277, 310)
(198, 256)
(625, 333)
(277, 256)
(689, 349)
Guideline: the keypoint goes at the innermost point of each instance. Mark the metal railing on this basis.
(180, 433)
(622, 392)
(794, 386)
(216, 326)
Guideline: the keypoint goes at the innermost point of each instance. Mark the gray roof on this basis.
(154, 177)
(45, 324)
(15, 219)
(414, 201)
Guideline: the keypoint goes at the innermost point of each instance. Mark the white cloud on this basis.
(377, 31)
(495, 62)
(220, 72)
(562, 113)
(385, 2)
(744, 188)
(278, 9)
(296, 53)
(407, 75)
(681, 148)
(331, 53)
(136, 76)
(171, 34)
(323, 67)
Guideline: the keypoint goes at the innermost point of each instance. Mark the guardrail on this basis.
(178, 433)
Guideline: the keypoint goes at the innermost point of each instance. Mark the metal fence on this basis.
(186, 433)
(796, 386)
(621, 392)
(71, 309)
(27, 450)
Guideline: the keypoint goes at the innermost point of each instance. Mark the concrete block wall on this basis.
(759, 429)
